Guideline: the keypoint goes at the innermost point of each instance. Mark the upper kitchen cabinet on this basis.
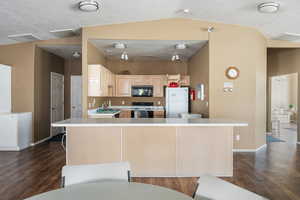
(123, 85)
(158, 85)
(185, 80)
(101, 81)
(141, 80)
(125, 82)
(94, 80)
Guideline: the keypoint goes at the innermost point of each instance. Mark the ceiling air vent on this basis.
(62, 33)
(27, 37)
(289, 37)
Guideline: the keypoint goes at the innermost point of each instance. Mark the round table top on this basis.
(112, 190)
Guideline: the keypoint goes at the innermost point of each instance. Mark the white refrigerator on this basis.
(177, 102)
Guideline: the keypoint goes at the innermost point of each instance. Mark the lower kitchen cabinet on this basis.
(159, 114)
(125, 114)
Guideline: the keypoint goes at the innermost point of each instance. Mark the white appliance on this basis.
(5, 89)
(16, 131)
(177, 102)
(16, 128)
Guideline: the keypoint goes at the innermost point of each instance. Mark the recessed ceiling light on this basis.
(119, 45)
(180, 46)
(268, 7)
(89, 5)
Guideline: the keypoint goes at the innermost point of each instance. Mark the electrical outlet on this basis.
(158, 103)
(123, 102)
(237, 137)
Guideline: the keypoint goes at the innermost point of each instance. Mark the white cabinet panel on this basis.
(5, 89)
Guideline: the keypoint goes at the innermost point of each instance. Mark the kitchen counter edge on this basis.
(148, 122)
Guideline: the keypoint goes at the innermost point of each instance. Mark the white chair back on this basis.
(76, 174)
(212, 188)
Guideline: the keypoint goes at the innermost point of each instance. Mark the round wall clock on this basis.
(232, 73)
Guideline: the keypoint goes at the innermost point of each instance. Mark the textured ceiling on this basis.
(148, 49)
(41, 16)
(64, 51)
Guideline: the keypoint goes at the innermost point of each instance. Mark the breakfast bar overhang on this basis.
(154, 147)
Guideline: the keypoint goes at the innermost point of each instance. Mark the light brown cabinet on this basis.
(158, 86)
(123, 86)
(125, 114)
(94, 80)
(101, 81)
(141, 80)
(185, 80)
(125, 82)
(159, 114)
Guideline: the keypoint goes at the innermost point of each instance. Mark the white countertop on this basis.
(147, 122)
(150, 108)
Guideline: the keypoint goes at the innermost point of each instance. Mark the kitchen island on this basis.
(154, 147)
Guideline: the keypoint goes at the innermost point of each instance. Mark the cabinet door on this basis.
(94, 80)
(125, 114)
(123, 86)
(185, 80)
(111, 85)
(158, 86)
(104, 81)
(159, 114)
(142, 80)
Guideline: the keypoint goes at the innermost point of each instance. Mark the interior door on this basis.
(57, 101)
(76, 94)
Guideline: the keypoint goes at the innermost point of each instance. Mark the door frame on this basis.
(63, 110)
(71, 95)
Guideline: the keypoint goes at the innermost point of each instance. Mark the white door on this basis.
(5, 89)
(57, 101)
(76, 94)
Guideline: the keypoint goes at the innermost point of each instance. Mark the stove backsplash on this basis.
(95, 102)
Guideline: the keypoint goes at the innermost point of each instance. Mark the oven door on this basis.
(142, 91)
(142, 114)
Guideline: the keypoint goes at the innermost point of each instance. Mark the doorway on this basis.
(76, 94)
(283, 107)
(57, 102)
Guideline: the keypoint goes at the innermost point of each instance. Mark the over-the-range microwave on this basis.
(142, 91)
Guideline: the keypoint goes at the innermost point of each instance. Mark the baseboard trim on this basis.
(10, 149)
(250, 150)
(41, 141)
(261, 147)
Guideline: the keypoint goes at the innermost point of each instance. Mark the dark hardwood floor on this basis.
(273, 172)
